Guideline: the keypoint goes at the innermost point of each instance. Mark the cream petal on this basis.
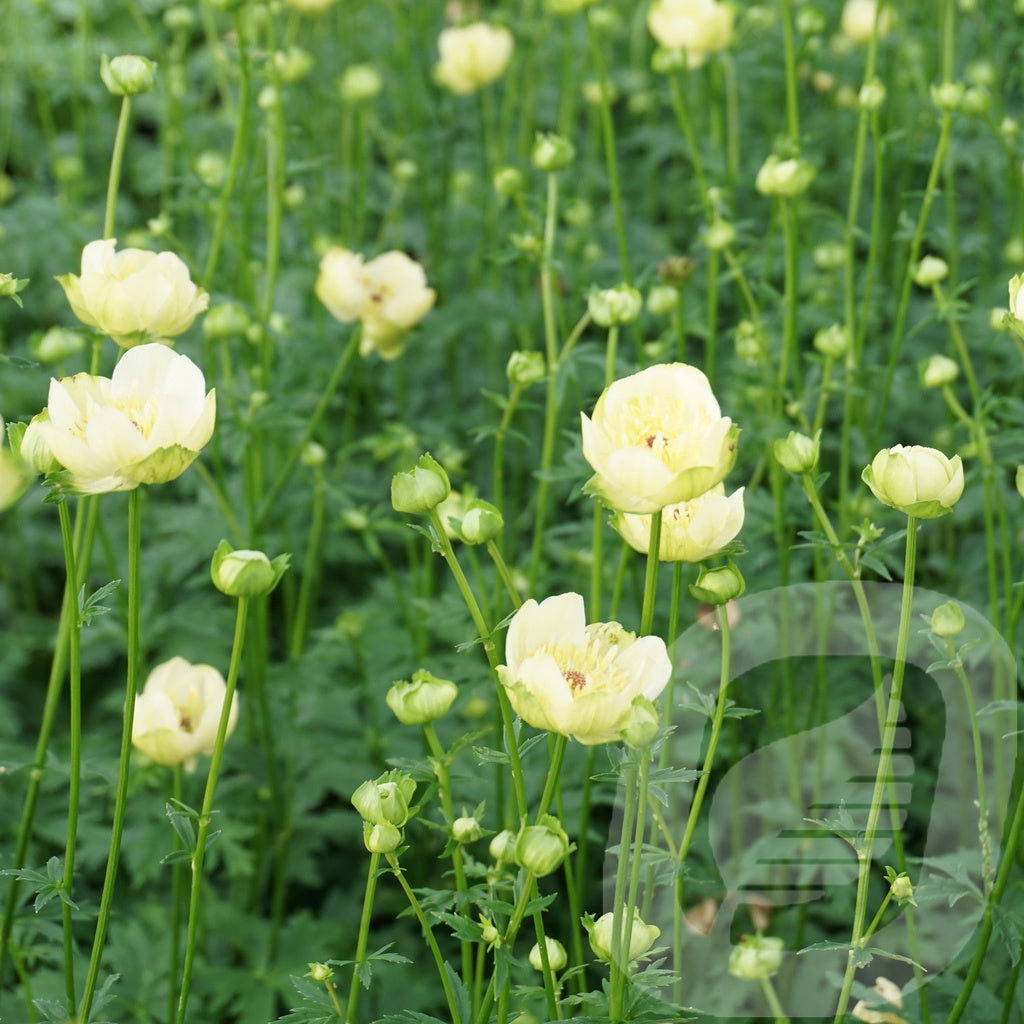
(648, 666)
(143, 369)
(593, 718)
(98, 256)
(556, 618)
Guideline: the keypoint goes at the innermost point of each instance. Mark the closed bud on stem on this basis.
(423, 699)
(526, 368)
(718, 586)
(508, 181)
(947, 620)
(948, 96)
(557, 957)
(602, 937)
(939, 371)
(552, 152)
(902, 890)
(127, 75)
(832, 341)
(244, 573)
(422, 488)
(871, 95)
(541, 848)
(385, 799)
(612, 307)
(797, 453)
(481, 522)
(756, 957)
(662, 299)
(931, 270)
(320, 972)
(466, 830)
(503, 847)
(719, 235)
(382, 837)
(643, 724)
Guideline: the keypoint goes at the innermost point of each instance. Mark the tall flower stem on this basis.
(364, 935)
(116, 162)
(651, 575)
(177, 895)
(206, 811)
(883, 770)
(75, 759)
(310, 565)
(121, 793)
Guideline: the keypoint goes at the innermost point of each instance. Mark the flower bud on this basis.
(918, 481)
(127, 75)
(931, 270)
(948, 96)
(226, 320)
(642, 725)
(382, 837)
(525, 368)
(602, 941)
(832, 341)
(947, 620)
(503, 847)
(829, 255)
(786, 178)
(243, 573)
(466, 830)
(33, 446)
(423, 699)
(665, 61)
(977, 100)
(676, 270)
(293, 64)
(663, 299)
(386, 799)
(10, 286)
(612, 307)
(756, 957)
(360, 83)
(320, 972)
(938, 371)
(541, 848)
(508, 181)
(552, 152)
(718, 586)
(901, 888)
(797, 453)
(557, 957)
(422, 488)
(719, 235)
(481, 522)
(1019, 481)
(488, 932)
(56, 344)
(871, 95)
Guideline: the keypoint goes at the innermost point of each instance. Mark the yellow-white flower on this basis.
(134, 296)
(918, 481)
(578, 680)
(388, 295)
(1017, 296)
(473, 55)
(700, 27)
(144, 425)
(657, 438)
(690, 530)
(858, 20)
(602, 936)
(178, 712)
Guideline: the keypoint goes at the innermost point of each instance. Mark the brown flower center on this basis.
(576, 680)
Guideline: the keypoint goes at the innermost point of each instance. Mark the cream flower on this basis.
(389, 295)
(134, 296)
(178, 712)
(918, 481)
(700, 27)
(690, 530)
(144, 425)
(578, 680)
(473, 55)
(858, 20)
(657, 438)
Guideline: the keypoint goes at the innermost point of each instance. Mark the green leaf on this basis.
(90, 608)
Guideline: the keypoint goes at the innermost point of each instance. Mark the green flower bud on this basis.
(977, 100)
(557, 957)
(829, 255)
(386, 799)
(756, 957)
(602, 938)
(481, 522)
(508, 181)
(902, 890)
(938, 371)
(420, 489)
(931, 270)
(360, 83)
(642, 725)
(797, 453)
(503, 847)
(423, 699)
(293, 64)
(382, 837)
(56, 344)
(10, 286)
(243, 573)
(612, 307)
(226, 320)
(320, 972)
(127, 75)
(541, 848)
(786, 178)
(666, 62)
(718, 586)
(871, 95)
(552, 152)
(948, 95)
(526, 368)
(488, 932)
(466, 830)
(833, 341)
(663, 299)
(719, 235)
(948, 620)
(405, 171)
(31, 446)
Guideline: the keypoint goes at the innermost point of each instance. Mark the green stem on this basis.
(792, 114)
(116, 162)
(651, 575)
(310, 565)
(364, 936)
(773, 1001)
(206, 812)
(177, 894)
(124, 763)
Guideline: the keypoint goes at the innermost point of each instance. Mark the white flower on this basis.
(657, 438)
(144, 425)
(858, 20)
(473, 55)
(699, 27)
(578, 680)
(389, 295)
(134, 296)
(918, 481)
(178, 712)
(690, 530)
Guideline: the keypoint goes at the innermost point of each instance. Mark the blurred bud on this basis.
(422, 488)
(676, 270)
(947, 620)
(663, 299)
(211, 168)
(527, 242)
(938, 371)
(508, 181)
(996, 318)
(810, 21)
(294, 196)
(719, 235)
(526, 368)
(823, 81)
(948, 96)
(829, 255)
(243, 573)
(313, 455)
(1009, 128)
(466, 830)
(578, 213)
(320, 972)
(557, 957)
(127, 75)
(360, 83)
(797, 453)
(756, 957)
(268, 97)
(56, 344)
(552, 152)
(642, 725)
(832, 341)
(612, 307)
(717, 586)
(424, 698)
(293, 64)
(977, 100)
(931, 270)
(667, 62)
(405, 171)
(786, 178)
(67, 167)
(871, 95)
(226, 320)
(541, 848)
(749, 343)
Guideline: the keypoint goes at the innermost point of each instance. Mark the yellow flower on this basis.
(690, 530)
(578, 680)
(389, 295)
(473, 56)
(657, 438)
(144, 425)
(918, 481)
(699, 27)
(178, 712)
(134, 296)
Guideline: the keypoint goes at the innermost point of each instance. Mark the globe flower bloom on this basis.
(578, 680)
(657, 438)
(134, 296)
(690, 530)
(144, 425)
(178, 712)
(473, 56)
(700, 27)
(918, 481)
(388, 295)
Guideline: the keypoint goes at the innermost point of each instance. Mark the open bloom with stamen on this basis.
(578, 680)
(657, 438)
(134, 295)
(690, 530)
(178, 712)
(143, 425)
